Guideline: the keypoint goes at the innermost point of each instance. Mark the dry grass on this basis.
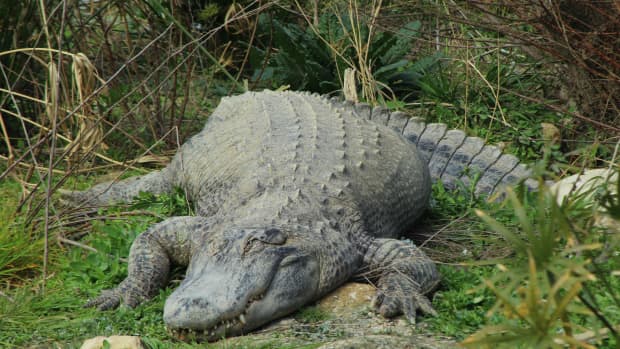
(94, 70)
(359, 65)
(576, 41)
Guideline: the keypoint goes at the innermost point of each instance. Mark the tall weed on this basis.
(20, 252)
(556, 291)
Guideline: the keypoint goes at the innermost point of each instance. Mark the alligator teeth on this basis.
(227, 324)
(254, 299)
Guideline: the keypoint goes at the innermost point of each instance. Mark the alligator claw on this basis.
(111, 299)
(399, 295)
(107, 300)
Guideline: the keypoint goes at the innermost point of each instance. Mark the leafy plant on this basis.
(314, 58)
(547, 295)
(299, 58)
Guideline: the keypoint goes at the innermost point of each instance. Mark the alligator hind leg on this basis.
(157, 182)
(404, 275)
(152, 253)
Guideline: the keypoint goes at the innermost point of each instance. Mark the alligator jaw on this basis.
(231, 326)
(221, 329)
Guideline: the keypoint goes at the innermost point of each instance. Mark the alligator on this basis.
(294, 194)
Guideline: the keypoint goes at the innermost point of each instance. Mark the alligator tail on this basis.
(452, 156)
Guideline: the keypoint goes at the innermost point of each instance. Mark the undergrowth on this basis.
(530, 273)
(315, 58)
(19, 250)
(56, 315)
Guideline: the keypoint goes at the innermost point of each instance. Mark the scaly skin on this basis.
(294, 195)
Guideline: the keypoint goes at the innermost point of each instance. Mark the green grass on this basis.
(28, 316)
(460, 302)
(20, 250)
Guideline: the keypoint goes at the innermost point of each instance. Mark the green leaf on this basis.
(391, 67)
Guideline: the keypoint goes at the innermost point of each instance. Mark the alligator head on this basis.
(239, 280)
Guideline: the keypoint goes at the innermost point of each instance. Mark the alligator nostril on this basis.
(188, 312)
(197, 302)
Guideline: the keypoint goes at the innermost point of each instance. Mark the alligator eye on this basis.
(249, 244)
(272, 231)
(254, 237)
(273, 236)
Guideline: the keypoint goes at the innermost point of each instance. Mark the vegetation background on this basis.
(93, 90)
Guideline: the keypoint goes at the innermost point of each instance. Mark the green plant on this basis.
(314, 58)
(460, 302)
(550, 293)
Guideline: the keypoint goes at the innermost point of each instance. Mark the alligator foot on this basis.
(404, 274)
(398, 294)
(110, 299)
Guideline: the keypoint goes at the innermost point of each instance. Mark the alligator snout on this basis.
(241, 289)
(214, 300)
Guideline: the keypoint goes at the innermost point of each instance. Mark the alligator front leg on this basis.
(404, 275)
(150, 257)
(157, 182)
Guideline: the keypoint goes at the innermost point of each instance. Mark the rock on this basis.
(583, 183)
(586, 185)
(354, 319)
(387, 342)
(347, 321)
(115, 342)
(352, 295)
(369, 342)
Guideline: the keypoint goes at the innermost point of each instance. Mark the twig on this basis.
(430, 238)
(30, 166)
(77, 244)
(86, 247)
(7, 297)
(7, 140)
(566, 111)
